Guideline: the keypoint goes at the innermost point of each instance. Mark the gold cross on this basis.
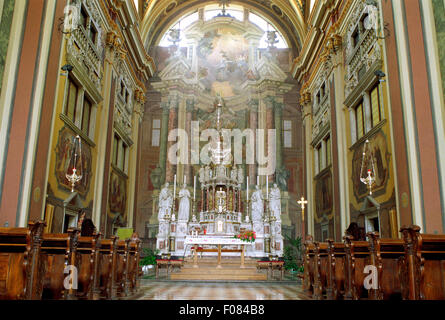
(302, 202)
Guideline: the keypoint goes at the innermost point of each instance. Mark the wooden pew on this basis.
(320, 270)
(309, 266)
(21, 269)
(59, 251)
(359, 257)
(336, 270)
(105, 271)
(277, 265)
(388, 256)
(122, 253)
(133, 266)
(424, 268)
(87, 254)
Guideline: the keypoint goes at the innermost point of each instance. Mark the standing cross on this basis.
(302, 202)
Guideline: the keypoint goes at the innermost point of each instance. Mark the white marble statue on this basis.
(257, 204)
(184, 204)
(165, 202)
(275, 202)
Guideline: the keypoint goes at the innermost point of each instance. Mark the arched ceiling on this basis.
(286, 15)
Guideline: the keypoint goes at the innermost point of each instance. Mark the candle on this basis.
(267, 188)
(185, 179)
(174, 187)
(194, 188)
(247, 190)
(257, 180)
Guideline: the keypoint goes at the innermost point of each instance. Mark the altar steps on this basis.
(230, 271)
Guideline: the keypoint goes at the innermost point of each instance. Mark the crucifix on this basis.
(302, 202)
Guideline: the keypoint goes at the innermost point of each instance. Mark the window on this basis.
(93, 34)
(360, 121)
(355, 38)
(287, 133)
(375, 105)
(319, 158)
(120, 153)
(328, 150)
(86, 115)
(156, 133)
(83, 19)
(79, 107)
(73, 92)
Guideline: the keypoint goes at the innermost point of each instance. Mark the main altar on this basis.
(222, 213)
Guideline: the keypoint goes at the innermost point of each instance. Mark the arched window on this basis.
(214, 11)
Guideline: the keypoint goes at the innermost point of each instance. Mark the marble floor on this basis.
(204, 290)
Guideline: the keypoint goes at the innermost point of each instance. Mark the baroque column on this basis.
(172, 124)
(253, 119)
(163, 142)
(190, 106)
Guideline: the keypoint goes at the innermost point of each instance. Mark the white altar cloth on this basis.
(215, 240)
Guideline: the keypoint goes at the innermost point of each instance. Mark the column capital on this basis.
(190, 104)
(253, 104)
(270, 102)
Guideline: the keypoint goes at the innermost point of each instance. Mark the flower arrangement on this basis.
(248, 236)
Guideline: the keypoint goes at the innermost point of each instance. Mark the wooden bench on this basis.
(388, 256)
(337, 270)
(105, 277)
(133, 266)
(277, 265)
(168, 264)
(122, 253)
(87, 254)
(309, 267)
(270, 267)
(424, 269)
(320, 270)
(359, 256)
(59, 251)
(21, 269)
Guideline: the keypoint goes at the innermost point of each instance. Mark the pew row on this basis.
(21, 269)
(412, 268)
(35, 265)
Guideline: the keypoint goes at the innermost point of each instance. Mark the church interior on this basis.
(188, 149)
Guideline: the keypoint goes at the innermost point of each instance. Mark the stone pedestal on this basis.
(162, 238)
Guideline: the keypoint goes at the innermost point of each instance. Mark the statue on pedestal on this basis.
(275, 202)
(257, 205)
(165, 202)
(184, 204)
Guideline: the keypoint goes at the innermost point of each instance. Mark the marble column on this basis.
(188, 169)
(270, 103)
(253, 125)
(278, 117)
(172, 124)
(163, 142)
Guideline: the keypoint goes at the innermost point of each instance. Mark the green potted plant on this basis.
(292, 255)
(148, 259)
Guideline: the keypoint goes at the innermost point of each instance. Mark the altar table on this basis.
(215, 240)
